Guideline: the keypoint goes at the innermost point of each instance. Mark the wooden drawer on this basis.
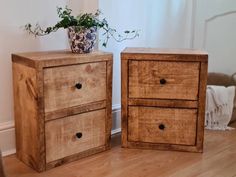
(61, 134)
(73, 85)
(162, 125)
(163, 79)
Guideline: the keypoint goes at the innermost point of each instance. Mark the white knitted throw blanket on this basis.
(219, 107)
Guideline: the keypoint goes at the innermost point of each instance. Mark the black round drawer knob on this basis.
(162, 127)
(79, 135)
(78, 85)
(162, 81)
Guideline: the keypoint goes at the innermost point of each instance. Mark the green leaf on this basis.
(82, 21)
(48, 30)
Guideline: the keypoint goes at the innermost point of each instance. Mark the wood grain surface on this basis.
(163, 85)
(124, 102)
(75, 110)
(59, 85)
(179, 125)
(181, 80)
(58, 58)
(218, 160)
(108, 121)
(27, 121)
(201, 106)
(160, 54)
(163, 51)
(61, 140)
(45, 93)
(163, 103)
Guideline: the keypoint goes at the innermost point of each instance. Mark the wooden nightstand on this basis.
(163, 98)
(62, 104)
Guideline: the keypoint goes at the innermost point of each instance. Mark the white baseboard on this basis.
(9, 152)
(116, 107)
(7, 131)
(116, 119)
(118, 130)
(7, 138)
(6, 125)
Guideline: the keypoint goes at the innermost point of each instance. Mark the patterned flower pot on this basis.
(83, 40)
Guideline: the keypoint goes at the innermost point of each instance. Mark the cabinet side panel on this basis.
(109, 103)
(201, 106)
(26, 116)
(124, 104)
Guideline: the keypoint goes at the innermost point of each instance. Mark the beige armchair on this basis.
(224, 80)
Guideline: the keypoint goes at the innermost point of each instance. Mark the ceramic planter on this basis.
(83, 40)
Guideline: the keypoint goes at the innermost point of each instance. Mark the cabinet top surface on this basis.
(164, 54)
(60, 57)
(137, 50)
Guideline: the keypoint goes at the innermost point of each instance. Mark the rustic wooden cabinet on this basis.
(62, 105)
(163, 98)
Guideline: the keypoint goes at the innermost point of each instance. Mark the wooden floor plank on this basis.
(218, 160)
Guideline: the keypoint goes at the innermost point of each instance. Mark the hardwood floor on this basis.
(218, 160)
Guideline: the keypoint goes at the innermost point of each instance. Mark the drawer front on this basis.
(74, 134)
(162, 125)
(164, 80)
(69, 86)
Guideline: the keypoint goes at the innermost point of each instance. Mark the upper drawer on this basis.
(164, 80)
(73, 85)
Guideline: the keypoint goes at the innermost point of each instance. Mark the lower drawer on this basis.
(74, 134)
(162, 125)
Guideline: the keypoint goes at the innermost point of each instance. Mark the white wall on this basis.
(13, 15)
(215, 32)
(81, 6)
(162, 23)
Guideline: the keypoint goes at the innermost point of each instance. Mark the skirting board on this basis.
(116, 119)
(7, 131)
(7, 138)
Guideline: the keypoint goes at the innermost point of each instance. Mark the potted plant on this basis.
(82, 30)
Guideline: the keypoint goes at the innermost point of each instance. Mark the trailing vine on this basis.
(82, 21)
